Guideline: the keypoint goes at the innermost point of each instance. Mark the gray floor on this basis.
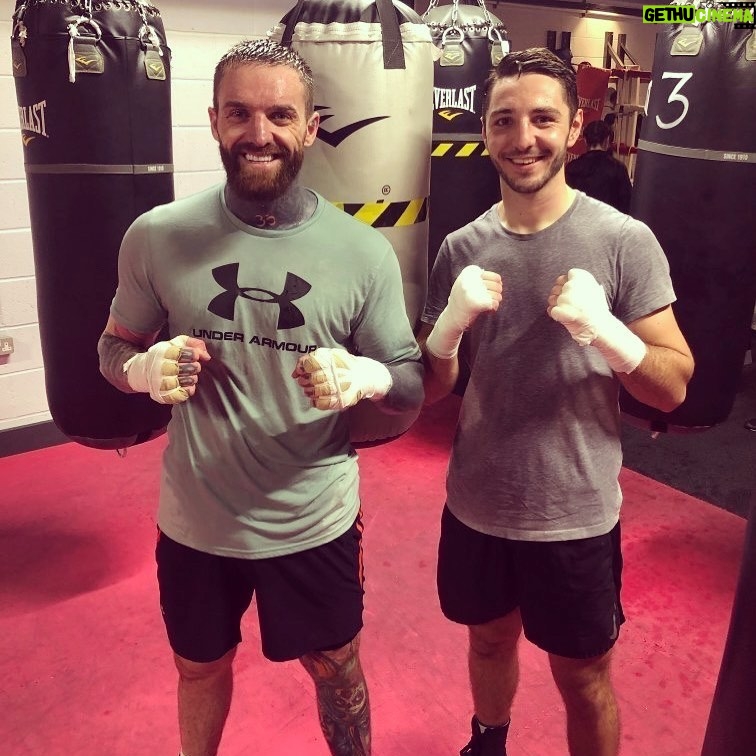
(717, 465)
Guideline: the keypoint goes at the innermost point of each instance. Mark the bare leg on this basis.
(204, 698)
(592, 716)
(343, 703)
(494, 667)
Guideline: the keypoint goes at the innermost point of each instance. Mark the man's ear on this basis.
(213, 114)
(575, 127)
(312, 129)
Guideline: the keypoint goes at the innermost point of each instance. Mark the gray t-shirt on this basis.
(251, 469)
(537, 451)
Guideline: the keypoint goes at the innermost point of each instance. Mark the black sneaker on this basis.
(492, 742)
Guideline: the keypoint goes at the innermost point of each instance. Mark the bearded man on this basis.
(282, 311)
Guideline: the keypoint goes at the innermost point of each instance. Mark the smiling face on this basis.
(262, 127)
(528, 129)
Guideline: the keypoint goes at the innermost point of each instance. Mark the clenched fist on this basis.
(578, 302)
(168, 370)
(474, 292)
(335, 379)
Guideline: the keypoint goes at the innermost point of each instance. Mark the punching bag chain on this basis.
(454, 27)
(454, 15)
(500, 45)
(148, 35)
(431, 6)
(73, 33)
(19, 26)
(465, 19)
(486, 14)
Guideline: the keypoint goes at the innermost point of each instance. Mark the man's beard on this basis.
(527, 186)
(251, 185)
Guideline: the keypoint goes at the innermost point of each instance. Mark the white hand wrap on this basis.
(156, 371)
(468, 298)
(582, 309)
(338, 380)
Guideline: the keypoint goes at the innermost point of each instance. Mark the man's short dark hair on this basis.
(263, 52)
(537, 60)
(596, 133)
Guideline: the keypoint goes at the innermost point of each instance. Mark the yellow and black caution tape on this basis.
(459, 149)
(382, 214)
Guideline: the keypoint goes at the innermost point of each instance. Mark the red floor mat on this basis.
(86, 670)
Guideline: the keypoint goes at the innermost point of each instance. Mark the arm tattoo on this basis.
(114, 352)
(343, 702)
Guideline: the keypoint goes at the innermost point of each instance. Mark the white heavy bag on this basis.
(372, 64)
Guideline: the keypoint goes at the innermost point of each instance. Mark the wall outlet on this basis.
(6, 345)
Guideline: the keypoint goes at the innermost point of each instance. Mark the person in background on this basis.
(282, 312)
(562, 300)
(597, 172)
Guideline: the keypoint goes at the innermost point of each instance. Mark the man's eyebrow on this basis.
(244, 106)
(285, 108)
(547, 110)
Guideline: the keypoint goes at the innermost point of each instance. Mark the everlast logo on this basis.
(32, 118)
(224, 304)
(595, 104)
(86, 62)
(88, 58)
(449, 115)
(464, 99)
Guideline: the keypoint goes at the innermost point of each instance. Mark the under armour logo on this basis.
(224, 304)
(335, 138)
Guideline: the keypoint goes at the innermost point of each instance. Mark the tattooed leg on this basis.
(343, 703)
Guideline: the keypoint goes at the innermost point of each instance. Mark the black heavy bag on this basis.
(731, 730)
(93, 90)
(372, 62)
(464, 183)
(695, 186)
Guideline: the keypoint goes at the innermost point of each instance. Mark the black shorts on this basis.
(568, 592)
(308, 601)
